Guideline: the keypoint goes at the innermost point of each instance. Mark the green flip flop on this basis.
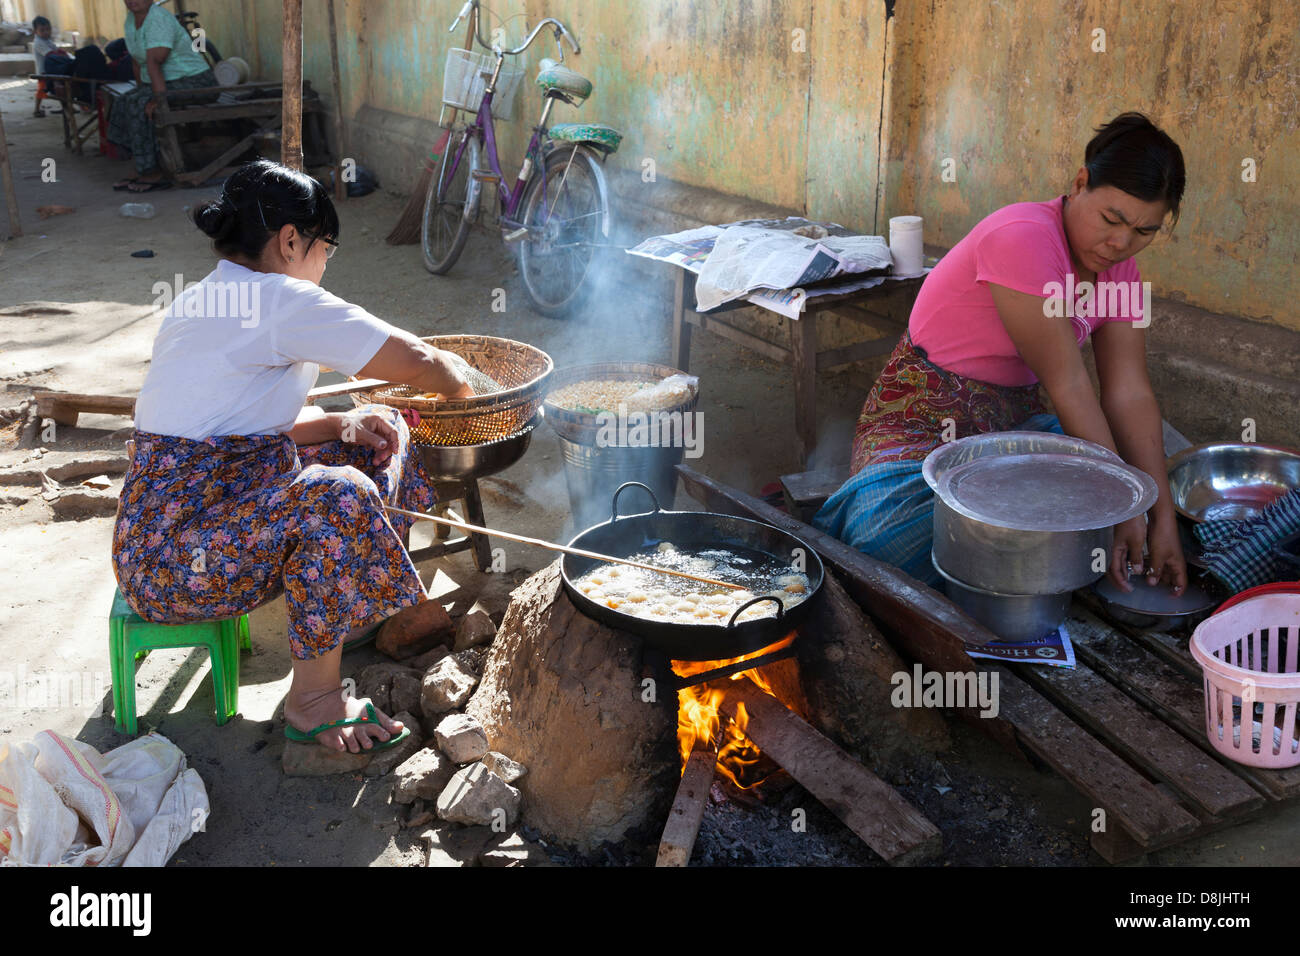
(364, 640)
(293, 733)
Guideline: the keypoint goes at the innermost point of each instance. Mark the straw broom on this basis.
(407, 230)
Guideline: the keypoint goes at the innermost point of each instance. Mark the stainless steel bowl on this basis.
(1012, 617)
(1230, 480)
(459, 462)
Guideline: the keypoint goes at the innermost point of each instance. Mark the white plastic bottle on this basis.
(137, 210)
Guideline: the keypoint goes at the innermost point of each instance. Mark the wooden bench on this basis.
(182, 108)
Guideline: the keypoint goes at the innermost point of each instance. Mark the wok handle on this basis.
(780, 608)
(632, 484)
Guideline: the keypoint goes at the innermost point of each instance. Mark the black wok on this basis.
(692, 531)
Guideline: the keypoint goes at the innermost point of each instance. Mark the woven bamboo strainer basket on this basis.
(522, 370)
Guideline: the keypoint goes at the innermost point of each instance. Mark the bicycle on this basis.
(557, 212)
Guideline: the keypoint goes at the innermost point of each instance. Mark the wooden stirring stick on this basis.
(560, 547)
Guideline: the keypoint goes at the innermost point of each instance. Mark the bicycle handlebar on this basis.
(561, 33)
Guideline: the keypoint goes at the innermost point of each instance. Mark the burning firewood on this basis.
(688, 810)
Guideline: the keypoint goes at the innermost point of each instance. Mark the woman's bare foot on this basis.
(316, 697)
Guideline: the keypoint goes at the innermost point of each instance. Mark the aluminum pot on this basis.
(1012, 617)
(1033, 523)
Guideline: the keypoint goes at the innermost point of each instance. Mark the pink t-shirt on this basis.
(1022, 247)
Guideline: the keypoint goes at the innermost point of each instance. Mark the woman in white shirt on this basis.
(238, 492)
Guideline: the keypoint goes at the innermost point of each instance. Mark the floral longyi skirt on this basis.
(211, 529)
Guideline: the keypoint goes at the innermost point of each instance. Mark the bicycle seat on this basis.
(594, 134)
(554, 77)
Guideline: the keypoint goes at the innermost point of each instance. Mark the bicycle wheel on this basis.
(565, 239)
(450, 205)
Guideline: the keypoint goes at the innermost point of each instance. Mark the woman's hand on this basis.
(1126, 551)
(371, 430)
(1165, 555)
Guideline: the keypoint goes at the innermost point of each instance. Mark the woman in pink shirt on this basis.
(1005, 312)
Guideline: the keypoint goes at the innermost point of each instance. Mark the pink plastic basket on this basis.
(1248, 657)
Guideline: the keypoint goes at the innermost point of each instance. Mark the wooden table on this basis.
(801, 352)
(75, 133)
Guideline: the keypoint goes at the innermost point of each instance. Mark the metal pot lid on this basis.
(1156, 600)
(1047, 492)
(955, 453)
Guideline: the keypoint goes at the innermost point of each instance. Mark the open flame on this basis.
(699, 723)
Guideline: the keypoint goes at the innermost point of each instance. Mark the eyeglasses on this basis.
(333, 246)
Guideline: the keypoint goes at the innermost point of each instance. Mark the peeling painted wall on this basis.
(824, 106)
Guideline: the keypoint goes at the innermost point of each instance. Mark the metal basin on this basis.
(1012, 617)
(1230, 480)
(459, 462)
(1034, 524)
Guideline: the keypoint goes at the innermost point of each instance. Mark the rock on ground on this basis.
(422, 776)
(462, 738)
(505, 768)
(475, 628)
(376, 682)
(313, 760)
(446, 686)
(410, 632)
(478, 797)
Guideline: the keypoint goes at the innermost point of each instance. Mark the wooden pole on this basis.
(291, 110)
(684, 818)
(340, 188)
(11, 199)
(552, 546)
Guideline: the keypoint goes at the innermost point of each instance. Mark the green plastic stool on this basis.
(131, 638)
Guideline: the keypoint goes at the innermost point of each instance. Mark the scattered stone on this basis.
(477, 796)
(475, 628)
(376, 682)
(102, 482)
(446, 686)
(472, 659)
(422, 662)
(419, 816)
(387, 760)
(422, 776)
(412, 631)
(314, 760)
(505, 768)
(462, 738)
(68, 504)
(405, 695)
(514, 850)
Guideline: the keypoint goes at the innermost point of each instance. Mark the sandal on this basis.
(148, 187)
(293, 733)
(124, 184)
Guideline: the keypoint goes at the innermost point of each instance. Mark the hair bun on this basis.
(216, 217)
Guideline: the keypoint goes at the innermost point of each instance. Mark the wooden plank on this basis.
(868, 806)
(848, 354)
(1166, 692)
(688, 810)
(811, 488)
(803, 353)
(340, 188)
(11, 198)
(291, 72)
(64, 407)
(345, 388)
(203, 175)
(1130, 799)
(683, 284)
(1142, 739)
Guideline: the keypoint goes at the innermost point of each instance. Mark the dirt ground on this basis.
(77, 314)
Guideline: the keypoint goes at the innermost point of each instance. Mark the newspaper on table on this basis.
(1054, 650)
(764, 262)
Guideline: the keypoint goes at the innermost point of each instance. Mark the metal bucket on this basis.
(594, 473)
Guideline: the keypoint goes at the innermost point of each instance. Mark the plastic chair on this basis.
(131, 638)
